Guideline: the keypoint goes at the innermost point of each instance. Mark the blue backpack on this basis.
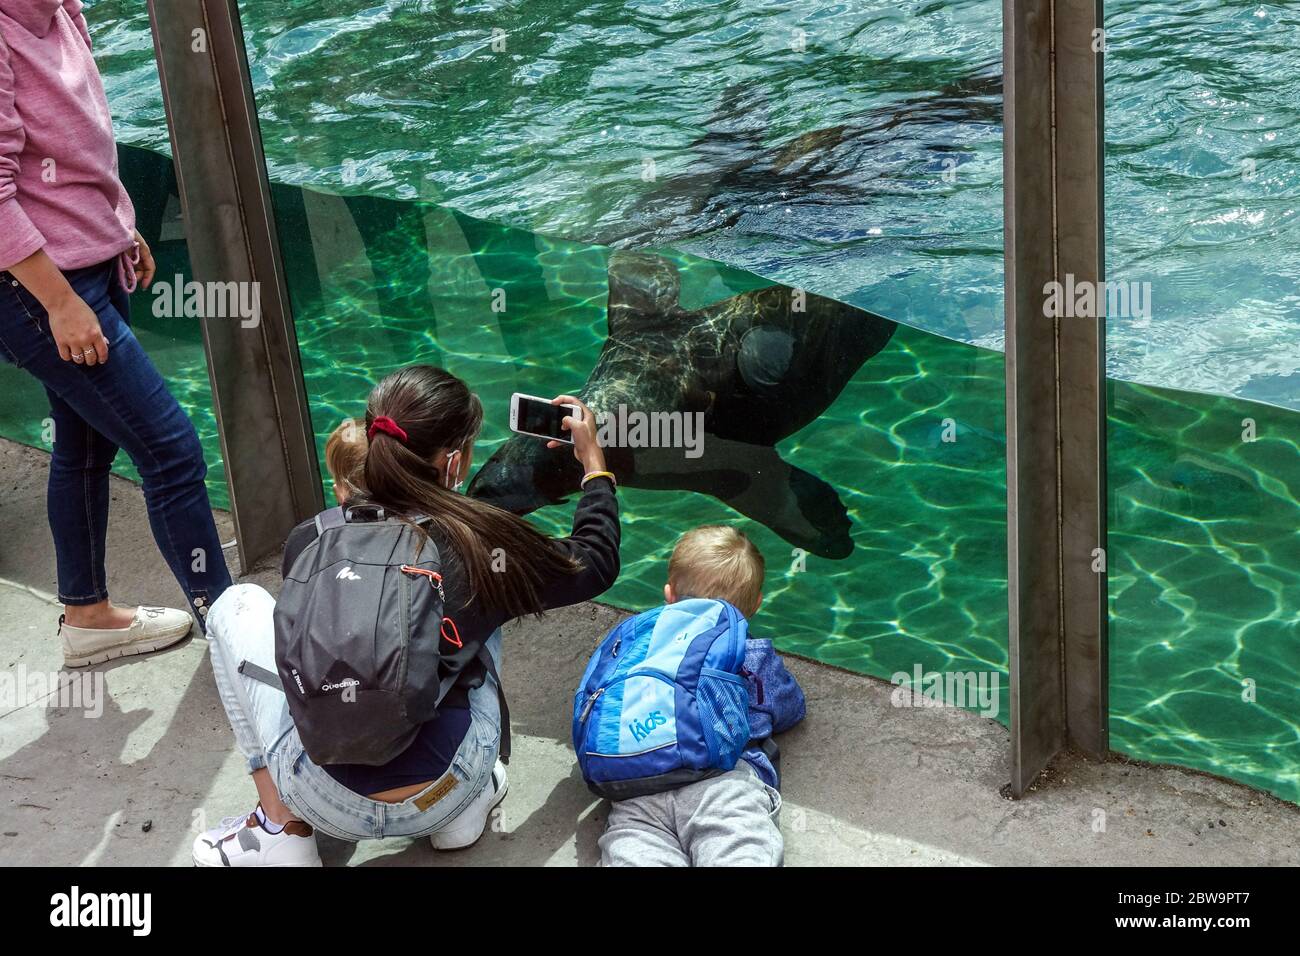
(662, 702)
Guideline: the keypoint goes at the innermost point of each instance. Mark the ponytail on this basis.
(413, 414)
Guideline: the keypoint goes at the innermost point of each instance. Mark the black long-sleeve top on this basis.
(593, 543)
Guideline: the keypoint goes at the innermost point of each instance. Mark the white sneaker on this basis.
(152, 629)
(243, 841)
(465, 829)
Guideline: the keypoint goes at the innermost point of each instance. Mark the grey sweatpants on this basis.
(728, 820)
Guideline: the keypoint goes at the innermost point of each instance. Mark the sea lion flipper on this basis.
(757, 482)
(797, 505)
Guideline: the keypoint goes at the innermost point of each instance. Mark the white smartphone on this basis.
(530, 415)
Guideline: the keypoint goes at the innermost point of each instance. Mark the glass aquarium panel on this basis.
(124, 53)
(758, 216)
(1203, 233)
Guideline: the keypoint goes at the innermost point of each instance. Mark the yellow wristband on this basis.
(597, 474)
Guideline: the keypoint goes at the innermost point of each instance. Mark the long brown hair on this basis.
(438, 411)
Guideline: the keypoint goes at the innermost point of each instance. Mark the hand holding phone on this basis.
(540, 417)
(563, 420)
(586, 446)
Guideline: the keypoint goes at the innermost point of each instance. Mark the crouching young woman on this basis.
(421, 422)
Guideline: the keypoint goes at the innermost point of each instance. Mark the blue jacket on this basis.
(776, 703)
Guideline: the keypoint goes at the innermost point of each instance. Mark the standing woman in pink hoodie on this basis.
(69, 258)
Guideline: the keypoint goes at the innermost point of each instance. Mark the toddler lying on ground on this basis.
(676, 730)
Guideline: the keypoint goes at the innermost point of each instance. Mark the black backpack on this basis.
(360, 631)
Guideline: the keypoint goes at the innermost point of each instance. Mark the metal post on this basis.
(1056, 410)
(257, 388)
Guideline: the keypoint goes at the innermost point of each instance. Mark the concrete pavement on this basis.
(865, 782)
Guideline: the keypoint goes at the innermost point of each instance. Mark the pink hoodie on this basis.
(58, 163)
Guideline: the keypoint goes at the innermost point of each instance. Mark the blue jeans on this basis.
(241, 628)
(96, 410)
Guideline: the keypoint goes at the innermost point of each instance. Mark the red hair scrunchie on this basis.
(383, 423)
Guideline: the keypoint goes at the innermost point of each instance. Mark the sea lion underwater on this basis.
(735, 169)
(752, 369)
